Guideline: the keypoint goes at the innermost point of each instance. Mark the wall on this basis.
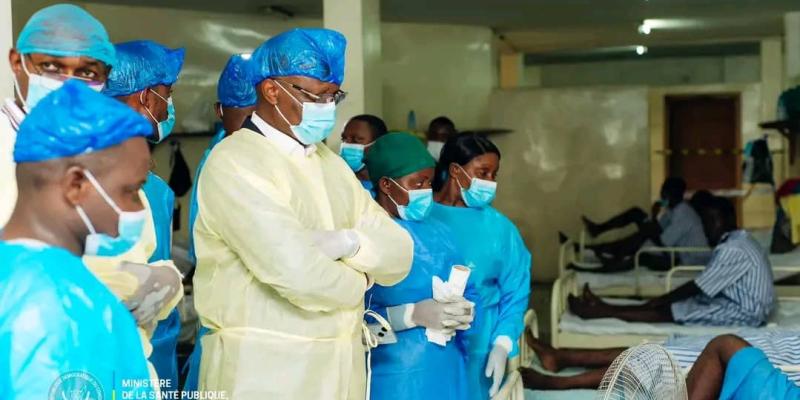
(432, 69)
(652, 72)
(573, 151)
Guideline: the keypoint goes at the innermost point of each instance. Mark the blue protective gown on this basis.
(165, 337)
(192, 366)
(501, 272)
(56, 318)
(368, 186)
(414, 368)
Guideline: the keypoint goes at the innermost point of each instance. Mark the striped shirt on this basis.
(782, 347)
(736, 286)
(682, 227)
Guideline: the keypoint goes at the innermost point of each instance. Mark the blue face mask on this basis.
(165, 127)
(419, 203)
(40, 86)
(663, 202)
(129, 226)
(480, 193)
(317, 121)
(353, 155)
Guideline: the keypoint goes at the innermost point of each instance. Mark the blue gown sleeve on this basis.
(162, 203)
(515, 283)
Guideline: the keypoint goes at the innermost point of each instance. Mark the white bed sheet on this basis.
(786, 315)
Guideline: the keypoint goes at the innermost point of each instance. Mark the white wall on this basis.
(432, 69)
(651, 72)
(573, 151)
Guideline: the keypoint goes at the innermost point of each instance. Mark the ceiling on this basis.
(542, 26)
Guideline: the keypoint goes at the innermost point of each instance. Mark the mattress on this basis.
(786, 315)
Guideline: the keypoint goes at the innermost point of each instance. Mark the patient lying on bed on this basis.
(728, 367)
(735, 289)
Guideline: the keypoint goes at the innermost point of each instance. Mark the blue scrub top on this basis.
(414, 368)
(57, 318)
(501, 272)
(165, 337)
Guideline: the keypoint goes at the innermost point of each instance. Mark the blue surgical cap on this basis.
(76, 120)
(142, 64)
(235, 88)
(65, 30)
(315, 53)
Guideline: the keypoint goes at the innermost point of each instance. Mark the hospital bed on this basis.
(644, 282)
(571, 331)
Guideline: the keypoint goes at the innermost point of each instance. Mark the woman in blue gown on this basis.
(413, 367)
(465, 186)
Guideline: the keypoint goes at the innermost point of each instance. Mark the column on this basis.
(511, 70)
(359, 21)
(792, 43)
(6, 37)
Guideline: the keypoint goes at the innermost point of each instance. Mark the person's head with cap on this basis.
(402, 171)
(297, 75)
(236, 94)
(81, 159)
(143, 79)
(57, 43)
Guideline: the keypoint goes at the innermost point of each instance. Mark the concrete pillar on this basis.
(792, 32)
(772, 66)
(6, 42)
(511, 70)
(359, 21)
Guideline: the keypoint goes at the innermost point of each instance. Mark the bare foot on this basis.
(591, 227)
(583, 309)
(547, 355)
(589, 297)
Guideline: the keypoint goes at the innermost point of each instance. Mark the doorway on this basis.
(703, 138)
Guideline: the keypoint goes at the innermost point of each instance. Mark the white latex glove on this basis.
(336, 244)
(433, 314)
(496, 363)
(443, 293)
(158, 284)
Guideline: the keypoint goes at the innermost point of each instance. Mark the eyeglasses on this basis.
(337, 97)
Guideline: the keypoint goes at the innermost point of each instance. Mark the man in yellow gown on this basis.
(287, 240)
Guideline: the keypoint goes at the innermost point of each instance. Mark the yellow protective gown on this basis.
(124, 284)
(8, 178)
(285, 320)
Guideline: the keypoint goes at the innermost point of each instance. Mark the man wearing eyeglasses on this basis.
(287, 241)
(57, 43)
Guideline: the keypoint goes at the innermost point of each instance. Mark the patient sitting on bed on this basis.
(677, 225)
(735, 289)
(729, 366)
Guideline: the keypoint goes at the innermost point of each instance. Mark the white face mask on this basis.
(435, 148)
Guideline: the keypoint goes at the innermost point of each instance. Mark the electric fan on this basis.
(643, 372)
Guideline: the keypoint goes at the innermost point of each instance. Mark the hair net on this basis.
(65, 30)
(315, 53)
(235, 89)
(142, 64)
(75, 120)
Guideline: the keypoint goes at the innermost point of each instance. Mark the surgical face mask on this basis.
(419, 203)
(480, 193)
(164, 128)
(129, 225)
(435, 148)
(353, 155)
(40, 86)
(316, 123)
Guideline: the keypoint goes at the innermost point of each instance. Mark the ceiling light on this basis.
(644, 28)
(641, 50)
